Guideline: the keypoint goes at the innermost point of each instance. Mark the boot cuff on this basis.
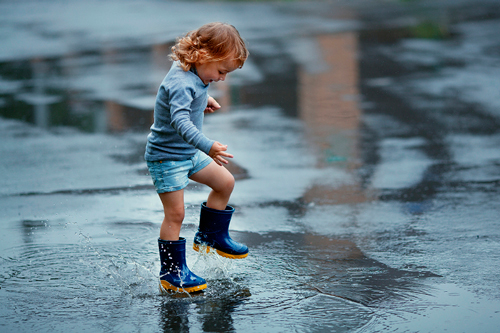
(181, 240)
(228, 210)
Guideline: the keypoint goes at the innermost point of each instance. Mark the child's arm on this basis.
(218, 152)
(212, 105)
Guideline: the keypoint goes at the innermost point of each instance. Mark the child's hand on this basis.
(218, 152)
(212, 105)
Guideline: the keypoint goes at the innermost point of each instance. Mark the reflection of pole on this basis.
(161, 61)
(115, 116)
(221, 92)
(114, 112)
(41, 110)
(37, 98)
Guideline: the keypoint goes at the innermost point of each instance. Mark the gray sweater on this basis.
(178, 117)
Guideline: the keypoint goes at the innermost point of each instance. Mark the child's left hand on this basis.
(212, 105)
(218, 152)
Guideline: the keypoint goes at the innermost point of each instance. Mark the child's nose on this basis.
(222, 77)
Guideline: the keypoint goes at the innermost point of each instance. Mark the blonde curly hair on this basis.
(212, 42)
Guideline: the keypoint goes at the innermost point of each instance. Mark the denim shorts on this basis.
(170, 176)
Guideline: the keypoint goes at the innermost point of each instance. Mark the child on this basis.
(177, 150)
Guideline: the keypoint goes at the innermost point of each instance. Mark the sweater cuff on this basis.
(206, 145)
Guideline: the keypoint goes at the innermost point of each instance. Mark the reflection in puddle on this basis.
(335, 267)
(329, 108)
(109, 91)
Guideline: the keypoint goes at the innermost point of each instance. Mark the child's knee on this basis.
(175, 215)
(229, 183)
(225, 185)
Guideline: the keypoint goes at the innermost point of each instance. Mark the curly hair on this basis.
(212, 42)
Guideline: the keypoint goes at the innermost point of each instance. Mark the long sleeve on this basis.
(176, 133)
(181, 120)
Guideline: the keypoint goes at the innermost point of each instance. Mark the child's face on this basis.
(215, 71)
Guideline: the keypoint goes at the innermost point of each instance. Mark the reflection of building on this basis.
(328, 99)
(328, 105)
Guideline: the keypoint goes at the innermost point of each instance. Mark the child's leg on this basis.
(174, 273)
(173, 207)
(216, 215)
(220, 180)
(169, 178)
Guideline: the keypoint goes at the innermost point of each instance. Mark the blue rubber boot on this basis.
(174, 273)
(213, 232)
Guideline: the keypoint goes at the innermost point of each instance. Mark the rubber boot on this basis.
(174, 273)
(214, 233)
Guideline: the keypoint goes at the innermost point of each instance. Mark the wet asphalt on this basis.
(366, 138)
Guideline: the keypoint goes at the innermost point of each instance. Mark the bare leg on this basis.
(174, 273)
(220, 180)
(173, 207)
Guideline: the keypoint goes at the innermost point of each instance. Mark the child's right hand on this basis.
(218, 152)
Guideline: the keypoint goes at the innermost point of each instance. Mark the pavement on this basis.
(365, 136)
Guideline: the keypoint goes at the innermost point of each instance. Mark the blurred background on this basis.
(366, 137)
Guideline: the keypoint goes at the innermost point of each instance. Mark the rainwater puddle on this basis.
(449, 308)
(290, 281)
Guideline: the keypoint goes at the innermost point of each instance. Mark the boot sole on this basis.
(196, 247)
(168, 286)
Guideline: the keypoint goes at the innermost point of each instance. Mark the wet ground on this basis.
(366, 138)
